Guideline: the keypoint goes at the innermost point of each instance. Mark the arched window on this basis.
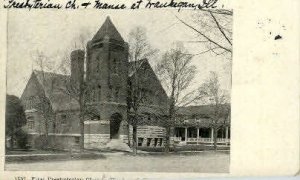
(114, 66)
(99, 93)
(116, 95)
(110, 94)
(96, 98)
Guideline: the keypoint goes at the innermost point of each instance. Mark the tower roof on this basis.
(109, 29)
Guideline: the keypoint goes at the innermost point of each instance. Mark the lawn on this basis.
(204, 162)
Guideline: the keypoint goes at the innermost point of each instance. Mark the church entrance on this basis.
(115, 122)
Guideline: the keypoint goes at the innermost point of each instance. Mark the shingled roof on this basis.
(108, 29)
(54, 86)
(202, 110)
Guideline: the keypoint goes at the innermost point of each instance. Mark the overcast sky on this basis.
(53, 31)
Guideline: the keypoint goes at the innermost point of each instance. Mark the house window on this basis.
(140, 141)
(63, 119)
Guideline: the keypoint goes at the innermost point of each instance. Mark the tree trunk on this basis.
(134, 143)
(128, 134)
(169, 124)
(167, 145)
(215, 138)
(81, 132)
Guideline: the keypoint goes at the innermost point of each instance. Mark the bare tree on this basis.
(44, 65)
(176, 73)
(213, 30)
(218, 98)
(76, 90)
(139, 50)
(79, 41)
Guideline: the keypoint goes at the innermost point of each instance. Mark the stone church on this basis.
(107, 76)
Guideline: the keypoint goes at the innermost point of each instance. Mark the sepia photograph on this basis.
(119, 91)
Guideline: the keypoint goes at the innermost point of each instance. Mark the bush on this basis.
(22, 139)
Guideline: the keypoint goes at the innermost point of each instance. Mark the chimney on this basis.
(77, 66)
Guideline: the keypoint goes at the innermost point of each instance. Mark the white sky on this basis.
(53, 31)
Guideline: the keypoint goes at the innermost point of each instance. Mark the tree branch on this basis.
(206, 37)
(219, 27)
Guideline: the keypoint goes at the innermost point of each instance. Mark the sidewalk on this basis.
(51, 156)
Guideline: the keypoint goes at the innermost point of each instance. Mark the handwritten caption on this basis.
(99, 4)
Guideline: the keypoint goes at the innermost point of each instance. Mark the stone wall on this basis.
(96, 141)
(150, 136)
(55, 141)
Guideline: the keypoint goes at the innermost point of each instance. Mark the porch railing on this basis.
(202, 140)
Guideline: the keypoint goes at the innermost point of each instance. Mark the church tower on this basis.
(106, 80)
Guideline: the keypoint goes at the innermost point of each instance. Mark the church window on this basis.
(140, 141)
(30, 122)
(159, 142)
(155, 142)
(116, 94)
(96, 94)
(114, 66)
(99, 93)
(110, 94)
(63, 119)
(77, 140)
(54, 126)
(95, 118)
(92, 95)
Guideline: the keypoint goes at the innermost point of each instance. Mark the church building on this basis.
(106, 76)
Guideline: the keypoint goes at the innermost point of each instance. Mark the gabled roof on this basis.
(109, 29)
(202, 110)
(54, 86)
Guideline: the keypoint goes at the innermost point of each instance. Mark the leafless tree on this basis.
(139, 50)
(213, 30)
(76, 90)
(176, 73)
(218, 98)
(43, 105)
(79, 41)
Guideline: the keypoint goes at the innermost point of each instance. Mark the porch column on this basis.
(197, 135)
(185, 134)
(212, 134)
(226, 135)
